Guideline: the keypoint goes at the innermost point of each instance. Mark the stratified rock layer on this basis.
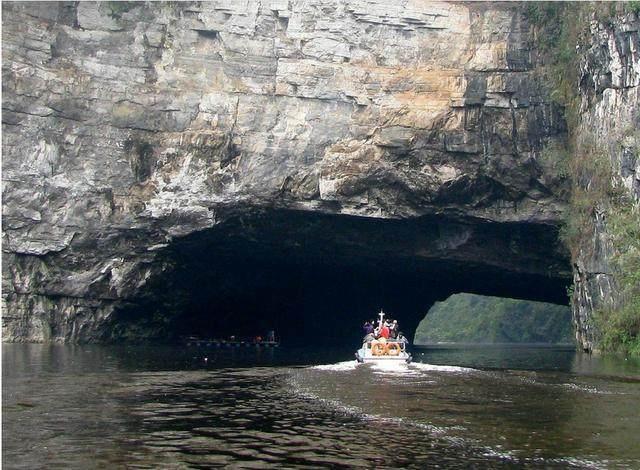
(128, 126)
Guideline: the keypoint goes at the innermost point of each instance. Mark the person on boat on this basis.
(368, 328)
(384, 331)
(393, 329)
(402, 340)
(271, 336)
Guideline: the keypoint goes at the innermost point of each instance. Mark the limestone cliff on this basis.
(608, 121)
(129, 127)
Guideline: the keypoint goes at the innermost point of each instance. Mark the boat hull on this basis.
(364, 355)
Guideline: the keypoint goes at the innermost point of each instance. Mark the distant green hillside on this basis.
(468, 318)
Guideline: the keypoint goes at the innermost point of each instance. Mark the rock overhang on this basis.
(130, 131)
(292, 270)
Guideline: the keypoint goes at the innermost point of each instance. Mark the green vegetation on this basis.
(555, 158)
(591, 178)
(619, 324)
(468, 318)
(557, 29)
(596, 194)
(634, 7)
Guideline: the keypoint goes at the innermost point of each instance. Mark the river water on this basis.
(169, 407)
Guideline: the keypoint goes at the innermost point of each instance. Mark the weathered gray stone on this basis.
(129, 126)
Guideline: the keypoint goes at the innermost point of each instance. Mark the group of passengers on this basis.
(388, 330)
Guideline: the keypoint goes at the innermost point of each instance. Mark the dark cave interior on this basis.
(315, 278)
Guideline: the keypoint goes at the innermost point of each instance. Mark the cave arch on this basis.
(312, 275)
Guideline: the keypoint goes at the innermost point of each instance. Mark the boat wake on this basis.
(340, 366)
(437, 368)
(395, 369)
(389, 367)
(369, 392)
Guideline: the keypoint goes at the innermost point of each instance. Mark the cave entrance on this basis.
(317, 277)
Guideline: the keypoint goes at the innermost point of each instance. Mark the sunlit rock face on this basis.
(148, 145)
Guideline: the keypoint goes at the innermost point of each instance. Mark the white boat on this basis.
(383, 350)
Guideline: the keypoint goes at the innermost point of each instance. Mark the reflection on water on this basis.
(162, 407)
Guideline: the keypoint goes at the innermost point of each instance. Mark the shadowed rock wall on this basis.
(130, 126)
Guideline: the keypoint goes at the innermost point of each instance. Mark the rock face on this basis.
(610, 117)
(143, 140)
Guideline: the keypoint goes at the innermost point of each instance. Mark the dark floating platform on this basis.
(230, 343)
